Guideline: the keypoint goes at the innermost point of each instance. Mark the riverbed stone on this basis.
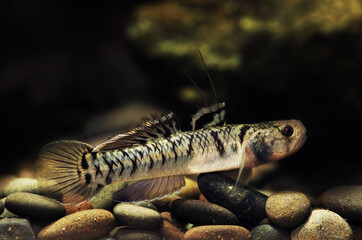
(146, 204)
(16, 228)
(212, 232)
(88, 224)
(171, 228)
(22, 185)
(245, 202)
(2, 206)
(104, 199)
(323, 224)
(135, 234)
(202, 213)
(269, 232)
(34, 206)
(133, 216)
(287, 209)
(344, 200)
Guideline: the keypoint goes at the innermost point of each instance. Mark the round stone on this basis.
(88, 224)
(146, 204)
(34, 206)
(345, 200)
(22, 185)
(134, 216)
(135, 234)
(269, 232)
(218, 232)
(16, 228)
(202, 213)
(104, 199)
(171, 228)
(245, 202)
(287, 209)
(321, 225)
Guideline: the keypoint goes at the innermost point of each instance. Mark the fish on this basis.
(156, 155)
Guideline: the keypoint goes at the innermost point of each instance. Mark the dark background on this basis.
(64, 64)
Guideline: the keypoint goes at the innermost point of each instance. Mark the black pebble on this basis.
(246, 203)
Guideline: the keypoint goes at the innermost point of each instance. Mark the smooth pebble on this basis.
(134, 216)
(22, 185)
(323, 224)
(16, 228)
(135, 234)
(88, 224)
(287, 209)
(1, 207)
(344, 200)
(202, 213)
(213, 232)
(171, 228)
(246, 203)
(146, 204)
(269, 232)
(34, 206)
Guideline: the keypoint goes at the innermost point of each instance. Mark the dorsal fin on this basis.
(149, 129)
(210, 116)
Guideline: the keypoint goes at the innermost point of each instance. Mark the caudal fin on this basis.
(60, 172)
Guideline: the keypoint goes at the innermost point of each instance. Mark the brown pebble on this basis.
(287, 209)
(135, 234)
(87, 224)
(213, 232)
(344, 200)
(171, 228)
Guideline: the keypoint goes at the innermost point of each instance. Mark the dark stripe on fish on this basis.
(218, 143)
(242, 133)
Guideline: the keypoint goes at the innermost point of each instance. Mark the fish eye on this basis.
(287, 131)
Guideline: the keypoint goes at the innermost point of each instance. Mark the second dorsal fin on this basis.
(210, 116)
(149, 129)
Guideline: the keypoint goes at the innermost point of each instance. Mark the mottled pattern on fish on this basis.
(159, 155)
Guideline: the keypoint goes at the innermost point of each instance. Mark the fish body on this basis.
(157, 155)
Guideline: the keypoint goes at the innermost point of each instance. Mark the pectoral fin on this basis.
(150, 189)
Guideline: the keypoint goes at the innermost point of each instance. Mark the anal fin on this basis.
(150, 189)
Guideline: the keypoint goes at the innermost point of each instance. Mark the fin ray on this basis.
(150, 189)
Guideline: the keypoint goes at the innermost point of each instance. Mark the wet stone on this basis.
(146, 204)
(345, 200)
(16, 228)
(104, 199)
(135, 234)
(22, 185)
(321, 225)
(171, 228)
(218, 232)
(269, 232)
(34, 206)
(246, 203)
(88, 224)
(287, 209)
(202, 213)
(134, 216)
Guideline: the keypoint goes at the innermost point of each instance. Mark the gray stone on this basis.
(287, 209)
(16, 228)
(134, 216)
(321, 225)
(34, 206)
(269, 232)
(135, 234)
(345, 200)
(22, 185)
(202, 213)
(147, 205)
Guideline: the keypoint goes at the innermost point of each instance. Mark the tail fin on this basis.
(60, 172)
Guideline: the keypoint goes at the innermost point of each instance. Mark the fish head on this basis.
(272, 141)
